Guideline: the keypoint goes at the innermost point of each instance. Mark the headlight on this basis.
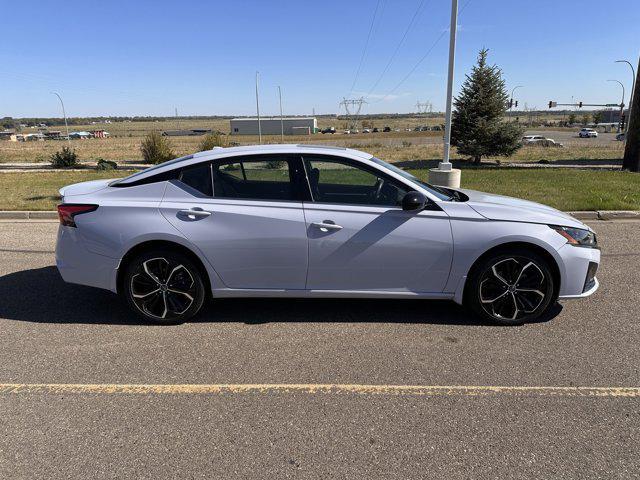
(577, 236)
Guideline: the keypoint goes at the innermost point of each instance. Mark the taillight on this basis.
(67, 212)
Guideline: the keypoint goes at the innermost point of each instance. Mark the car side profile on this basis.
(315, 221)
(588, 133)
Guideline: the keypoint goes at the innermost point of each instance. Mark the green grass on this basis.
(566, 189)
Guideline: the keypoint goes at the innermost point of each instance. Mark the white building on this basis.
(272, 126)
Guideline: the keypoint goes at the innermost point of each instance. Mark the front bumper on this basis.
(578, 278)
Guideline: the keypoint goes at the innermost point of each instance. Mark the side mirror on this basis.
(414, 201)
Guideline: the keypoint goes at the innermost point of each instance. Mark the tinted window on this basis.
(254, 178)
(335, 180)
(198, 177)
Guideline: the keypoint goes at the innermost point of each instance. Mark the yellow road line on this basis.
(310, 388)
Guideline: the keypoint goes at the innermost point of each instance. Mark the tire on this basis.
(163, 286)
(511, 287)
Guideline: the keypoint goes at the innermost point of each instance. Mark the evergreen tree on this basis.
(478, 128)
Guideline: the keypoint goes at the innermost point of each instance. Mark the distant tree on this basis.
(585, 119)
(156, 149)
(211, 140)
(572, 118)
(597, 116)
(478, 129)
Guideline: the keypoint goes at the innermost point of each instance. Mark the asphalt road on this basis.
(53, 333)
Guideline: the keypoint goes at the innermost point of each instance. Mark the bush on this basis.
(64, 158)
(156, 149)
(212, 140)
(106, 164)
(274, 164)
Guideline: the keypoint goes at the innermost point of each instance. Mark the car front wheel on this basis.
(163, 286)
(511, 288)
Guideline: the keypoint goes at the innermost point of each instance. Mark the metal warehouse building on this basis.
(271, 126)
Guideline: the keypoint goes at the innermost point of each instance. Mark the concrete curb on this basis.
(584, 215)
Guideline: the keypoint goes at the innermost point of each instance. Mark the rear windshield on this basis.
(135, 176)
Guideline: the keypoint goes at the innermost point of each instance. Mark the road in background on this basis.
(66, 334)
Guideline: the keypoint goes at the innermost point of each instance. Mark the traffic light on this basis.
(579, 104)
(553, 104)
(516, 103)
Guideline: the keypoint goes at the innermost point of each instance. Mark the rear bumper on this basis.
(78, 265)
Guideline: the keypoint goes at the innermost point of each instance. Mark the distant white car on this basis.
(366, 130)
(532, 138)
(588, 133)
(540, 141)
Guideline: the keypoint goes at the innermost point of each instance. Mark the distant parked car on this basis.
(331, 130)
(532, 138)
(375, 130)
(588, 133)
(366, 130)
(540, 141)
(620, 137)
(386, 129)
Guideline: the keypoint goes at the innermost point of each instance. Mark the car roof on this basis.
(219, 152)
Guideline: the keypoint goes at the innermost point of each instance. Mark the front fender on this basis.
(472, 239)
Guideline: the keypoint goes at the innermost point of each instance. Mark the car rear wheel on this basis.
(163, 287)
(511, 288)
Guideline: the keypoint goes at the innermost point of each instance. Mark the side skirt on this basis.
(274, 293)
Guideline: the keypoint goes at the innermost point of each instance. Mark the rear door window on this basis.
(270, 177)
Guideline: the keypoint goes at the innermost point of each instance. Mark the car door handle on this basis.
(194, 213)
(326, 226)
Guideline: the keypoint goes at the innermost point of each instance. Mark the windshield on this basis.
(441, 193)
(151, 169)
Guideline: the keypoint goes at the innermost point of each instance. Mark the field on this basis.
(566, 189)
(124, 144)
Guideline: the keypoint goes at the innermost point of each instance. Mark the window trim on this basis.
(356, 164)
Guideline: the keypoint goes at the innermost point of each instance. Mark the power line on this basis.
(366, 45)
(397, 49)
(422, 59)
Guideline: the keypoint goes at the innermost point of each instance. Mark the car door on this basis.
(361, 239)
(245, 215)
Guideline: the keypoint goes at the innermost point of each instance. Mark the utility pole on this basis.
(633, 82)
(445, 175)
(177, 123)
(281, 120)
(64, 114)
(356, 105)
(631, 159)
(258, 110)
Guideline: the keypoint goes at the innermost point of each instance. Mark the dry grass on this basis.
(124, 143)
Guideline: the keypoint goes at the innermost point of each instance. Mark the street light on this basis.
(445, 175)
(511, 99)
(64, 114)
(633, 85)
(281, 120)
(621, 102)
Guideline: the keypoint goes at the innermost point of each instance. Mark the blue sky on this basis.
(149, 57)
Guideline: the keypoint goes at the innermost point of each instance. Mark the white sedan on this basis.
(316, 221)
